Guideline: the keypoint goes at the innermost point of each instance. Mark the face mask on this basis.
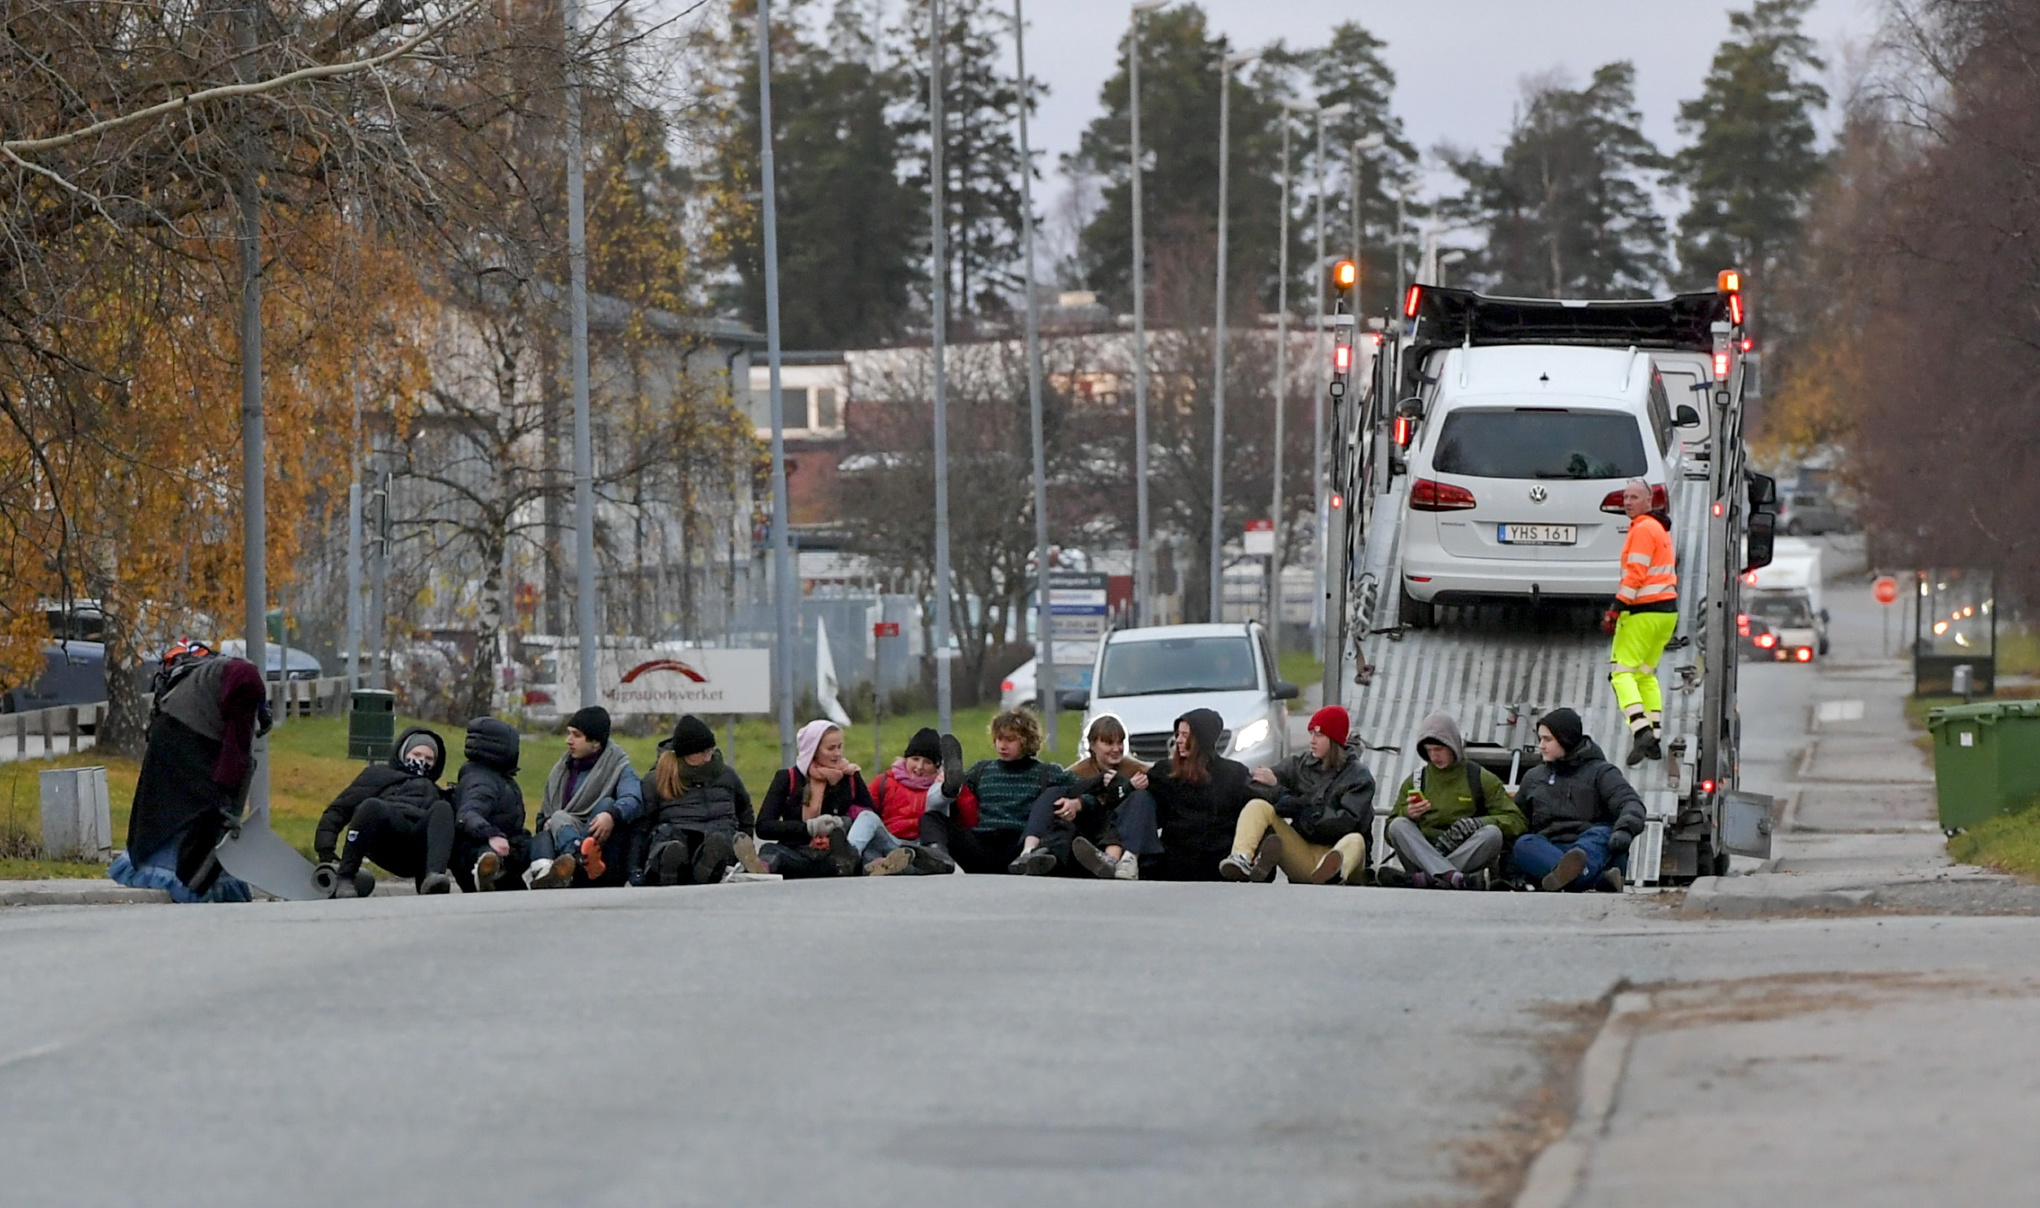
(417, 765)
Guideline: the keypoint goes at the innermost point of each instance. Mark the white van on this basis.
(1517, 469)
(1149, 677)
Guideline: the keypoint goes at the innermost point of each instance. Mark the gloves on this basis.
(1609, 618)
(822, 825)
(1619, 842)
(263, 719)
(1459, 832)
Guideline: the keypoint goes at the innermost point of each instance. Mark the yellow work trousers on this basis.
(1300, 857)
(1640, 639)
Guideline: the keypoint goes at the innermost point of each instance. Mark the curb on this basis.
(78, 893)
(1706, 898)
(1555, 1176)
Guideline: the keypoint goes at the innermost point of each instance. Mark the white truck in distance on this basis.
(1786, 596)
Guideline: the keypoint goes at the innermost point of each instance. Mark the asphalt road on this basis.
(984, 1041)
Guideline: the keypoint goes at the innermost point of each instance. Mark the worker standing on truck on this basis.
(1646, 612)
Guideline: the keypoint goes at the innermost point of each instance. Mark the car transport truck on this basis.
(1538, 407)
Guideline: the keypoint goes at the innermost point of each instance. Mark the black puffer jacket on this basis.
(486, 799)
(721, 803)
(1563, 799)
(391, 782)
(1197, 820)
(1323, 804)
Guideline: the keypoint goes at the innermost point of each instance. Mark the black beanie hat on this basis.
(1566, 727)
(691, 736)
(927, 744)
(592, 721)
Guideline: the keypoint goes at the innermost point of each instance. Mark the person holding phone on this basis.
(1452, 818)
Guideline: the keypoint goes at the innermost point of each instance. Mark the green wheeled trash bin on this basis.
(371, 724)
(1986, 760)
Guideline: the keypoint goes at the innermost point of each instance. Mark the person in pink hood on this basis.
(884, 836)
(803, 819)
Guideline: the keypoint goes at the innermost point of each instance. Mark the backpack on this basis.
(166, 680)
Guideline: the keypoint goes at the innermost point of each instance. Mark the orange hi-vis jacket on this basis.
(1650, 572)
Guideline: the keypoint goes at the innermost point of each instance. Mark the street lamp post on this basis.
(1320, 505)
(1217, 560)
(1402, 243)
(1455, 256)
(1044, 637)
(1362, 147)
(944, 656)
(782, 555)
(1275, 508)
(584, 434)
(1143, 555)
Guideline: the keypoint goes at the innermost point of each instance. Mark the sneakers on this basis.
(892, 863)
(435, 882)
(1610, 882)
(1237, 867)
(1478, 879)
(1128, 868)
(1034, 862)
(1420, 880)
(1093, 861)
(747, 854)
(1266, 857)
(1328, 869)
(1643, 744)
(488, 868)
(549, 874)
(1570, 866)
(930, 861)
(1392, 876)
(591, 858)
(1449, 880)
(952, 767)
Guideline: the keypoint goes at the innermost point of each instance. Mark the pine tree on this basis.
(1567, 207)
(1753, 163)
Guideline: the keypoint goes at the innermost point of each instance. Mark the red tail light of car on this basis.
(1429, 496)
(1660, 500)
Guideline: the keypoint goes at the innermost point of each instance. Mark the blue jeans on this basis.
(562, 833)
(870, 837)
(1536, 856)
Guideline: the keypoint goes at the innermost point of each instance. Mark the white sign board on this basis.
(644, 680)
(1258, 541)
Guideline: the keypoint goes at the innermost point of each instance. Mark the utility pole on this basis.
(584, 437)
(1044, 644)
(1321, 512)
(1217, 567)
(945, 699)
(1275, 508)
(378, 570)
(1143, 554)
(782, 554)
(254, 504)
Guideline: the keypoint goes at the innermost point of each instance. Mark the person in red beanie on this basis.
(1318, 807)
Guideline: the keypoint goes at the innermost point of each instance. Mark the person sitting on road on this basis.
(1183, 812)
(886, 835)
(695, 807)
(1583, 812)
(1319, 805)
(196, 762)
(1066, 825)
(395, 814)
(804, 816)
(491, 847)
(978, 816)
(1452, 818)
(589, 793)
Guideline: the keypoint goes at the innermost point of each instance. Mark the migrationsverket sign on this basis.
(644, 680)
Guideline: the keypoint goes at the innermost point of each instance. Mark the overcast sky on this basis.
(1459, 64)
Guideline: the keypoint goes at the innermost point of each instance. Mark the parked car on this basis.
(301, 666)
(74, 673)
(1517, 469)
(1019, 687)
(1148, 677)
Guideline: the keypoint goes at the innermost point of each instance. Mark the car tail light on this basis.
(1707, 786)
(1766, 640)
(1742, 624)
(534, 697)
(1659, 500)
(1005, 685)
(1429, 496)
(1804, 654)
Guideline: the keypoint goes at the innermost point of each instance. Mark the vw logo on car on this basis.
(1538, 494)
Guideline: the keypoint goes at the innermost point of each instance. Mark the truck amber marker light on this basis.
(1728, 281)
(1346, 274)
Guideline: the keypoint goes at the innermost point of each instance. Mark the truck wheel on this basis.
(1416, 614)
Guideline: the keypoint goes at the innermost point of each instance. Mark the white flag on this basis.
(825, 676)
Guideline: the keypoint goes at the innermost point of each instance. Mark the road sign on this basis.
(1885, 589)
(1077, 620)
(886, 629)
(1259, 540)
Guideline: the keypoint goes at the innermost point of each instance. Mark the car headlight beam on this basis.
(1253, 734)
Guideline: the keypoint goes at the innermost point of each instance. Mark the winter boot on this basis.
(1570, 866)
(488, 868)
(435, 882)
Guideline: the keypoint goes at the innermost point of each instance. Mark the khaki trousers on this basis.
(1300, 857)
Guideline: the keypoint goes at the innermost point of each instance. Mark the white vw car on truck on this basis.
(1517, 470)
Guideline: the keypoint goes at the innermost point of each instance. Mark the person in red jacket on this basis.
(884, 835)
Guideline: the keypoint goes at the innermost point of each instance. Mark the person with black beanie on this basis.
(695, 806)
(592, 796)
(886, 836)
(1583, 813)
(491, 847)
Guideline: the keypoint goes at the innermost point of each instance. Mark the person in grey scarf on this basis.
(588, 793)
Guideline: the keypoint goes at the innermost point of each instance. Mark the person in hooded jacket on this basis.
(1452, 817)
(592, 796)
(886, 835)
(491, 847)
(1066, 830)
(395, 814)
(1583, 812)
(1195, 797)
(1319, 804)
(695, 806)
(803, 819)
(196, 764)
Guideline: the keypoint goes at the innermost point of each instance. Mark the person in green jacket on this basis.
(1448, 831)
